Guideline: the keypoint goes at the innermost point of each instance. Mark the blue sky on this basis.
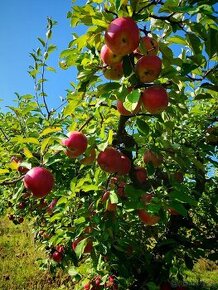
(21, 23)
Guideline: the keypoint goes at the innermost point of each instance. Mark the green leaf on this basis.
(42, 41)
(142, 127)
(194, 42)
(81, 247)
(127, 66)
(211, 43)
(177, 39)
(51, 48)
(50, 68)
(50, 130)
(113, 197)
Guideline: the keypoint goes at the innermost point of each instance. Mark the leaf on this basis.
(27, 153)
(211, 43)
(99, 22)
(42, 41)
(134, 96)
(127, 66)
(50, 130)
(177, 39)
(194, 42)
(51, 48)
(81, 247)
(143, 127)
(3, 171)
(113, 197)
(22, 140)
(50, 68)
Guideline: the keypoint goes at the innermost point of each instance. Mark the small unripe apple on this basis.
(57, 256)
(155, 99)
(122, 35)
(121, 109)
(109, 57)
(113, 72)
(147, 218)
(76, 144)
(148, 68)
(39, 180)
(150, 156)
(140, 174)
(147, 46)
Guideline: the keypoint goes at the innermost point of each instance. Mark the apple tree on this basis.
(120, 179)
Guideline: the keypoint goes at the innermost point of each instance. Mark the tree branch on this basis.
(10, 182)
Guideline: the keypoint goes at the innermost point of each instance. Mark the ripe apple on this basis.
(121, 109)
(148, 68)
(113, 72)
(140, 174)
(87, 286)
(147, 218)
(88, 247)
(122, 36)
(57, 256)
(111, 206)
(165, 286)
(150, 156)
(90, 158)
(76, 144)
(39, 180)
(121, 189)
(109, 57)
(124, 165)
(109, 160)
(147, 46)
(155, 99)
(59, 248)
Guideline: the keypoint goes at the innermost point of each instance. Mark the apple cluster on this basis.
(122, 38)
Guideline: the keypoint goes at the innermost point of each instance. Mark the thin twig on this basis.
(9, 182)
(86, 123)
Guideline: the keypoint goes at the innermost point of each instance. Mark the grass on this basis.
(18, 255)
(19, 270)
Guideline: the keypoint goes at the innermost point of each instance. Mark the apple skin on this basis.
(90, 158)
(148, 68)
(147, 218)
(57, 256)
(39, 180)
(165, 286)
(124, 165)
(111, 207)
(140, 174)
(155, 99)
(121, 109)
(76, 144)
(147, 46)
(88, 247)
(150, 156)
(122, 36)
(113, 72)
(109, 57)
(109, 160)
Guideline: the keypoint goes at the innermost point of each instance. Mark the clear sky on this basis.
(21, 23)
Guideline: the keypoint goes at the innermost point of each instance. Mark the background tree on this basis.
(133, 217)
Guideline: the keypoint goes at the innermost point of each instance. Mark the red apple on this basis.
(147, 218)
(121, 109)
(150, 156)
(88, 247)
(39, 180)
(124, 165)
(147, 46)
(165, 286)
(76, 144)
(105, 196)
(90, 158)
(109, 57)
(59, 248)
(87, 286)
(18, 160)
(155, 99)
(113, 72)
(122, 36)
(109, 160)
(140, 174)
(148, 68)
(121, 189)
(111, 206)
(57, 256)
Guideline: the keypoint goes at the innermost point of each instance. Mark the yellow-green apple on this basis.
(113, 72)
(140, 174)
(90, 158)
(76, 144)
(109, 57)
(155, 159)
(88, 247)
(109, 160)
(39, 181)
(155, 99)
(147, 46)
(147, 218)
(57, 256)
(121, 109)
(122, 36)
(148, 68)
